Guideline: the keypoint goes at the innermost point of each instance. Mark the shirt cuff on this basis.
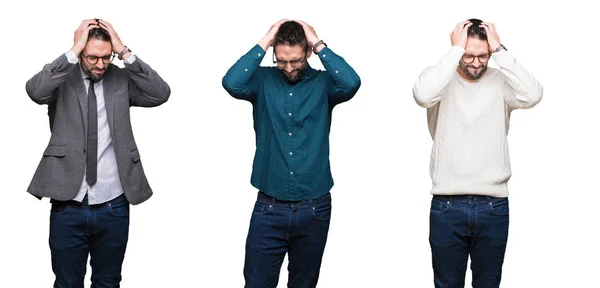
(323, 53)
(71, 57)
(258, 52)
(131, 59)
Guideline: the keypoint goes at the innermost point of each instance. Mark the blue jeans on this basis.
(78, 229)
(279, 227)
(465, 225)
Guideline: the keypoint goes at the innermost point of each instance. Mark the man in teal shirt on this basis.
(292, 107)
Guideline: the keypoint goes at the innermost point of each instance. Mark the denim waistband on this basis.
(468, 198)
(320, 201)
(84, 202)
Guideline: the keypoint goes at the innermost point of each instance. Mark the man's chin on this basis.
(477, 74)
(292, 79)
(95, 76)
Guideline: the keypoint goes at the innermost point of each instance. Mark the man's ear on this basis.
(309, 50)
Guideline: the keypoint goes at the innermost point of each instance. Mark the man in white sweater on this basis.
(468, 112)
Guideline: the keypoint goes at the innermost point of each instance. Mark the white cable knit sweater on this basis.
(469, 121)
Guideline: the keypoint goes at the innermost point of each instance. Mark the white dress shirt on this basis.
(108, 186)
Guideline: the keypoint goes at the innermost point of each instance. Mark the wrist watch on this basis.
(314, 48)
(500, 48)
(123, 52)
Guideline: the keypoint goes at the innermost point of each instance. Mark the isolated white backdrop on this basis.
(197, 149)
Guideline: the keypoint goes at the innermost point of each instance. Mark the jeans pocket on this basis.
(119, 209)
(58, 208)
(322, 213)
(499, 207)
(261, 208)
(439, 206)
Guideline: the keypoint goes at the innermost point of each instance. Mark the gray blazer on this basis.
(60, 86)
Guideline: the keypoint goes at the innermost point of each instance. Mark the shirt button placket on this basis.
(291, 94)
(289, 105)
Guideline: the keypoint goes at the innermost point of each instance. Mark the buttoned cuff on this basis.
(257, 52)
(324, 53)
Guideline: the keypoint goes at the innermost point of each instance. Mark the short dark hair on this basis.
(291, 33)
(99, 33)
(475, 31)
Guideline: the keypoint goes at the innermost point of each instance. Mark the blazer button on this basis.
(84, 151)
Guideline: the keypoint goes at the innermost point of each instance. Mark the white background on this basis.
(197, 148)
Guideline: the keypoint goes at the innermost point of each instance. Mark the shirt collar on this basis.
(309, 72)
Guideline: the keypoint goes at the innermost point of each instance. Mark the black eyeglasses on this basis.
(483, 58)
(91, 59)
(282, 64)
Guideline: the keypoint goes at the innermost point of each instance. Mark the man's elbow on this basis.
(423, 99)
(232, 89)
(354, 84)
(351, 89)
(534, 97)
(163, 96)
(35, 95)
(538, 95)
(230, 84)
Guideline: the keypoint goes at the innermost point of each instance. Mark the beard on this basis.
(475, 75)
(90, 72)
(295, 75)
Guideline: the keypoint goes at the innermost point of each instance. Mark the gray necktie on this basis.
(92, 137)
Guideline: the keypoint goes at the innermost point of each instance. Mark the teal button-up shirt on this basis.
(292, 121)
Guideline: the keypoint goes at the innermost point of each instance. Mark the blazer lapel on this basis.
(77, 82)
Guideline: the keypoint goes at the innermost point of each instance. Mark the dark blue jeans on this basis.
(279, 227)
(468, 225)
(78, 229)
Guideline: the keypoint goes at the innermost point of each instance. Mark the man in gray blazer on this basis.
(91, 169)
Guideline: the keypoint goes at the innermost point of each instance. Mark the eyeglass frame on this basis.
(112, 57)
(489, 55)
(300, 62)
